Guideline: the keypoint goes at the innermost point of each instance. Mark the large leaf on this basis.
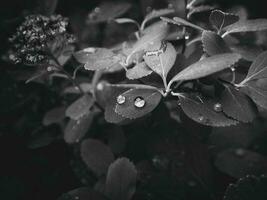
(55, 115)
(97, 58)
(83, 193)
(246, 26)
(258, 69)
(237, 105)
(80, 107)
(220, 19)
(257, 91)
(138, 71)
(207, 67)
(138, 102)
(162, 61)
(96, 155)
(213, 44)
(121, 180)
(240, 162)
(203, 111)
(76, 129)
(108, 11)
(249, 188)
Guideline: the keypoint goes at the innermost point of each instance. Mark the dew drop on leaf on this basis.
(232, 69)
(187, 37)
(201, 118)
(121, 99)
(139, 102)
(100, 86)
(217, 107)
(90, 50)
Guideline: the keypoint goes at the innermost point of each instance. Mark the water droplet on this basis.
(97, 10)
(90, 50)
(217, 107)
(121, 99)
(232, 69)
(139, 102)
(187, 37)
(49, 69)
(201, 118)
(240, 152)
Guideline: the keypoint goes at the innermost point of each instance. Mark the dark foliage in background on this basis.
(113, 100)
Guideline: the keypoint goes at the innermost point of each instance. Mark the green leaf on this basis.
(202, 111)
(237, 105)
(55, 115)
(240, 162)
(107, 11)
(219, 19)
(154, 33)
(138, 71)
(121, 180)
(96, 155)
(213, 44)
(97, 58)
(138, 102)
(257, 91)
(250, 187)
(155, 14)
(246, 26)
(258, 69)
(207, 67)
(76, 129)
(163, 60)
(80, 107)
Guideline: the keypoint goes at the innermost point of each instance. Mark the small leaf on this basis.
(207, 67)
(80, 107)
(84, 193)
(258, 69)
(202, 111)
(257, 91)
(163, 61)
(213, 44)
(121, 180)
(107, 11)
(138, 71)
(221, 19)
(237, 105)
(240, 162)
(96, 155)
(199, 9)
(250, 187)
(138, 102)
(55, 115)
(246, 26)
(97, 58)
(76, 129)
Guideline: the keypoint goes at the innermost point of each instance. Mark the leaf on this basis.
(96, 155)
(199, 9)
(97, 58)
(181, 22)
(138, 71)
(121, 180)
(250, 187)
(80, 107)
(237, 105)
(86, 88)
(207, 67)
(248, 52)
(246, 26)
(220, 19)
(124, 21)
(53, 116)
(163, 61)
(83, 193)
(138, 102)
(76, 129)
(107, 11)
(257, 91)
(258, 69)
(240, 162)
(154, 33)
(213, 44)
(157, 13)
(203, 112)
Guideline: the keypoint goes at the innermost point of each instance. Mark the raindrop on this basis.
(97, 10)
(90, 50)
(240, 152)
(201, 118)
(139, 102)
(49, 69)
(217, 107)
(121, 99)
(100, 86)
(232, 69)
(187, 37)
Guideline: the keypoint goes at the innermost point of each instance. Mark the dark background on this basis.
(44, 173)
